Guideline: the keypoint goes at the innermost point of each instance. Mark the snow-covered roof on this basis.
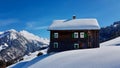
(75, 24)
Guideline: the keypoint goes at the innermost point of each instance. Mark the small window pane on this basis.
(82, 34)
(76, 35)
(55, 35)
(55, 45)
(76, 46)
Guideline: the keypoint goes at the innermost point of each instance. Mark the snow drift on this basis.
(104, 57)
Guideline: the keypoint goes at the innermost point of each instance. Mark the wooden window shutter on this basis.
(85, 35)
(72, 35)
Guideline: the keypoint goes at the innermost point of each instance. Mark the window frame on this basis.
(76, 35)
(82, 34)
(76, 46)
(55, 45)
(55, 35)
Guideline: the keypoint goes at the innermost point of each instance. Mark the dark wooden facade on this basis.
(66, 41)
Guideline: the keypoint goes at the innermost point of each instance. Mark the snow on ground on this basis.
(104, 57)
(27, 58)
(113, 42)
(33, 55)
(30, 56)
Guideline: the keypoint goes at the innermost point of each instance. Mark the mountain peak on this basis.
(29, 35)
(11, 30)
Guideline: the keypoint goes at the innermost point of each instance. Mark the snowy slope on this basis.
(33, 55)
(27, 58)
(104, 57)
(32, 37)
(3, 34)
(113, 42)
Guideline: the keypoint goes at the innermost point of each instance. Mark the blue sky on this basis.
(36, 15)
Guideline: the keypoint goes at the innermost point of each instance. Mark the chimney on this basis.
(74, 17)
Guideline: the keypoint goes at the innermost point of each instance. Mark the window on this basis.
(75, 34)
(55, 45)
(76, 46)
(55, 35)
(82, 34)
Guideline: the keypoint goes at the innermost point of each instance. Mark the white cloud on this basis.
(35, 26)
(30, 25)
(41, 27)
(7, 22)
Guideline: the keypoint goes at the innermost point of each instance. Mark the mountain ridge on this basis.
(14, 45)
(110, 32)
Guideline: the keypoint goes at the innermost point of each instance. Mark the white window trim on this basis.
(82, 34)
(55, 35)
(75, 34)
(76, 46)
(55, 45)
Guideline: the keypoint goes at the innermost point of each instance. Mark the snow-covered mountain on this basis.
(14, 44)
(110, 32)
(106, 56)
